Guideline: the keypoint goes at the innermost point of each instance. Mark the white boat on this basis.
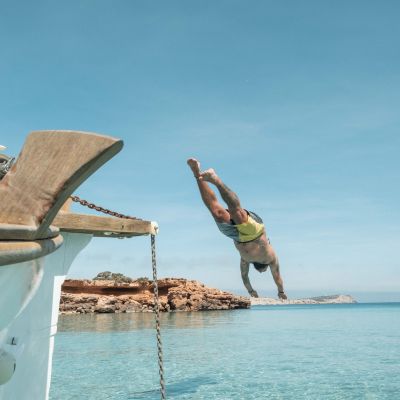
(39, 240)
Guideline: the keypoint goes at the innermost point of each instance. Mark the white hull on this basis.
(29, 334)
(34, 207)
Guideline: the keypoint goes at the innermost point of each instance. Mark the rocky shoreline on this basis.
(111, 296)
(115, 293)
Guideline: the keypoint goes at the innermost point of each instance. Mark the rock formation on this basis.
(334, 299)
(112, 296)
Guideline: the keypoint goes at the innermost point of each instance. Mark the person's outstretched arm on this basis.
(244, 269)
(277, 278)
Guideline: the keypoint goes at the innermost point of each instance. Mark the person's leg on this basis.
(209, 198)
(237, 213)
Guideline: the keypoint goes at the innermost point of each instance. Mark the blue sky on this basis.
(295, 104)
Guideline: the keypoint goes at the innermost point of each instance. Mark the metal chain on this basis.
(157, 317)
(93, 206)
(156, 307)
(5, 165)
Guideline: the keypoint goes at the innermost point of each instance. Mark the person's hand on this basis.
(282, 295)
(253, 293)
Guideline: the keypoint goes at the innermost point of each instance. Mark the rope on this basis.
(157, 317)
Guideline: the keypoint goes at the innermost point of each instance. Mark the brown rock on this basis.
(104, 296)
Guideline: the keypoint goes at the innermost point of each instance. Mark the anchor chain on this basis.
(156, 306)
(157, 317)
(103, 210)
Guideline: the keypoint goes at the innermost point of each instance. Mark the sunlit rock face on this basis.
(105, 296)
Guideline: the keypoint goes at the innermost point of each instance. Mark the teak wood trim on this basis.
(103, 226)
(51, 165)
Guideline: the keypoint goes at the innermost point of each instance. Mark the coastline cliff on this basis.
(115, 293)
(116, 296)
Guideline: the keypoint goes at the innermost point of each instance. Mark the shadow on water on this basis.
(175, 390)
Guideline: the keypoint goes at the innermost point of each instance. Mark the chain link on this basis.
(157, 317)
(93, 206)
(156, 306)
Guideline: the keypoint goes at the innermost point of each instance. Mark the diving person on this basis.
(245, 227)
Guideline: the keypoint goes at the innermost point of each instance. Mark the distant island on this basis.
(333, 299)
(115, 293)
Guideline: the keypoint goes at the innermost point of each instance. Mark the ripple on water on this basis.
(307, 352)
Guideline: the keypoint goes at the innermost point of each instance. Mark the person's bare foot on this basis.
(209, 175)
(194, 166)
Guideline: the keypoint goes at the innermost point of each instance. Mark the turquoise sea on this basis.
(282, 352)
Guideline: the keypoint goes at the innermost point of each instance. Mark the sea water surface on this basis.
(345, 351)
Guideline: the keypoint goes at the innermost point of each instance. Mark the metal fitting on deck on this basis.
(154, 228)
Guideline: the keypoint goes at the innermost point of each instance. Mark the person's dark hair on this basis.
(260, 267)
